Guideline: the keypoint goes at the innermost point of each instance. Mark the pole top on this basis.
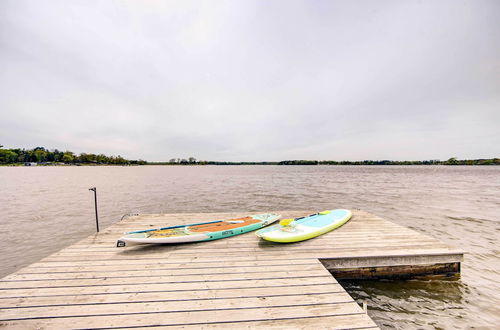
(93, 189)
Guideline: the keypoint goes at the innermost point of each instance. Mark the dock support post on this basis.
(95, 202)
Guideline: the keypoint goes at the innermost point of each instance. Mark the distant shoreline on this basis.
(247, 164)
(41, 156)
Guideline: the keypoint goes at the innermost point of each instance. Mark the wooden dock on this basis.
(237, 282)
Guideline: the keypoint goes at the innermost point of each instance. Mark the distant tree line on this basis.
(299, 162)
(193, 161)
(451, 161)
(42, 155)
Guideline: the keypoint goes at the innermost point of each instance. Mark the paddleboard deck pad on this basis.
(300, 229)
(198, 232)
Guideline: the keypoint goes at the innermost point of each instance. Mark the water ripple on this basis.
(458, 205)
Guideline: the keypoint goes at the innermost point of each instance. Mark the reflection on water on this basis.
(433, 301)
(46, 208)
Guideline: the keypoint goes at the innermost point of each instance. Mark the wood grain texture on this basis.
(237, 282)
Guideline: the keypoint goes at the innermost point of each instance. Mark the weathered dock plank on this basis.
(237, 282)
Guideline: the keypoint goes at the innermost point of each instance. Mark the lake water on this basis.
(46, 208)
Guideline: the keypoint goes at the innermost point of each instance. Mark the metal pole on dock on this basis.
(95, 200)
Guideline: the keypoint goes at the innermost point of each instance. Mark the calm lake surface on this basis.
(44, 209)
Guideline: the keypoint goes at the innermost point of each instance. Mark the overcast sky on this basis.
(252, 80)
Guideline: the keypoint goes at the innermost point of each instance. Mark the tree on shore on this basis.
(68, 157)
(7, 156)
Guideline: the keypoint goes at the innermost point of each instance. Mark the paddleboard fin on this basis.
(120, 243)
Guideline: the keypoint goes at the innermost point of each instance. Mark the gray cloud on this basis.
(252, 80)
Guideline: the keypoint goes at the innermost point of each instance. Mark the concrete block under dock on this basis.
(237, 282)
